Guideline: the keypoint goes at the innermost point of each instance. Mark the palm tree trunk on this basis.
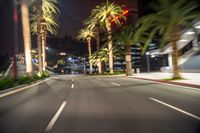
(44, 50)
(110, 47)
(176, 73)
(26, 37)
(90, 54)
(39, 36)
(128, 60)
(15, 51)
(98, 48)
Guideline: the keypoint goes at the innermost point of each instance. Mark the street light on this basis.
(69, 58)
(84, 63)
(148, 61)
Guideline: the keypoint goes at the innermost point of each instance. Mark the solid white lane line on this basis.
(55, 77)
(72, 80)
(175, 108)
(168, 84)
(115, 84)
(21, 89)
(72, 86)
(53, 120)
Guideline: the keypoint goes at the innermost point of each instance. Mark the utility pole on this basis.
(84, 66)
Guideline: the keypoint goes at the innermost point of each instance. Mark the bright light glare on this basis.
(153, 56)
(198, 27)
(183, 40)
(69, 58)
(189, 33)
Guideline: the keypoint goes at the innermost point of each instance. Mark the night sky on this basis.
(73, 12)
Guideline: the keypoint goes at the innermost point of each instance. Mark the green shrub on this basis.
(115, 73)
(41, 75)
(24, 80)
(6, 83)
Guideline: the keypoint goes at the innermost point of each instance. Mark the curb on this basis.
(21, 86)
(172, 83)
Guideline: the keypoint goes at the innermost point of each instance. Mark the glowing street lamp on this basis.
(148, 61)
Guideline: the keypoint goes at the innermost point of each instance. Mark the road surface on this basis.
(100, 104)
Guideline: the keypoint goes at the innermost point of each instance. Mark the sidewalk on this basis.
(190, 79)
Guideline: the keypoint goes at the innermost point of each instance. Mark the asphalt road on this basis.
(98, 104)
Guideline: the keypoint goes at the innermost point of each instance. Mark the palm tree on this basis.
(168, 21)
(104, 14)
(26, 36)
(48, 24)
(103, 55)
(100, 56)
(39, 36)
(93, 23)
(86, 35)
(126, 38)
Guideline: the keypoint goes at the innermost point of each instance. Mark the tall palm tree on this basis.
(93, 23)
(126, 38)
(49, 23)
(168, 21)
(104, 13)
(26, 36)
(39, 35)
(86, 35)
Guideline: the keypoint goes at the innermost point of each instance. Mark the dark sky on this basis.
(73, 12)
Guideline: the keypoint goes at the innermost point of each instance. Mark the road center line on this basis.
(72, 80)
(115, 84)
(175, 108)
(72, 86)
(53, 120)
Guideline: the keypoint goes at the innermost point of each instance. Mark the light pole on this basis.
(84, 64)
(148, 61)
(72, 66)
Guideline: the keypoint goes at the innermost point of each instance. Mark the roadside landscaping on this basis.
(108, 73)
(6, 83)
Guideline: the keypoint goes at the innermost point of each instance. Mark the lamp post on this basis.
(148, 61)
(84, 64)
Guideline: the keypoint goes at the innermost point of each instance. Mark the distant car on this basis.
(59, 71)
(62, 70)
